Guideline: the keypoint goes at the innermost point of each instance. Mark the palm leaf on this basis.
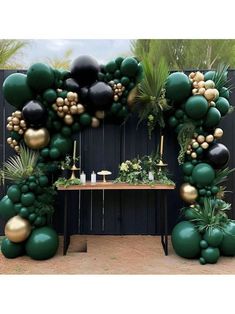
(220, 77)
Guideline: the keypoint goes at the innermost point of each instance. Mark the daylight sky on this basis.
(102, 50)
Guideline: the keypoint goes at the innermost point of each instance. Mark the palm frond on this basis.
(220, 77)
(222, 175)
(184, 138)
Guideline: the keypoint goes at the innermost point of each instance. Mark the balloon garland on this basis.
(51, 105)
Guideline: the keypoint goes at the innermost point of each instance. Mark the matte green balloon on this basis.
(125, 81)
(116, 106)
(66, 131)
(85, 119)
(203, 244)
(189, 214)
(16, 136)
(129, 67)
(188, 168)
(14, 193)
(196, 107)
(186, 240)
(178, 86)
(12, 250)
(7, 208)
(212, 118)
(62, 143)
(45, 152)
(203, 174)
(173, 121)
(119, 60)
(43, 180)
(54, 153)
(42, 243)
(111, 66)
(209, 75)
(27, 199)
(211, 255)
(16, 90)
(224, 92)
(50, 95)
(40, 76)
(222, 105)
(227, 246)
(213, 236)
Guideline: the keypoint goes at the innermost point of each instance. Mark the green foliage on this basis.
(61, 63)
(9, 48)
(66, 182)
(184, 138)
(221, 175)
(220, 77)
(44, 203)
(68, 162)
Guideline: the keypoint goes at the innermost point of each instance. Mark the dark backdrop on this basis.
(125, 212)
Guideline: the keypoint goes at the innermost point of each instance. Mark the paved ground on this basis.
(114, 255)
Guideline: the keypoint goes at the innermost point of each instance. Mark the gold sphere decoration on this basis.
(68, 119)
(201, 84)
(132, 96)
(95, 122)
(73, 109)
(201, 91)
(188, 193)
(201, 139)
(192, 75)
(100, 114)
(195, 91)
(209, 84)
(65, 108)
(18, 114)
(194, 155)
(218, 133)
(36, 139)
(209, 138)
(210, 94)
(60, 101)
(61, 114)
(70, 96)
(115, 97)
(198, 76)
(204, 145)
(16, 128)
(9, 140)
(195, 84)
(80, 108)
(16, 121)
(17, 229)
(195, 145)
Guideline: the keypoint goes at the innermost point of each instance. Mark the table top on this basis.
(100, 185)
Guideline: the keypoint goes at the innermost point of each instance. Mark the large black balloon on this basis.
(34, 114)
(85, 70)
(100, 95)
(217, 155)
(71, 85)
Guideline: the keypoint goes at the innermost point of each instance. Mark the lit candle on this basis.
(161, 145)
(74, 150)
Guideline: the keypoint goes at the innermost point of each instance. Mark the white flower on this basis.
(124, 167)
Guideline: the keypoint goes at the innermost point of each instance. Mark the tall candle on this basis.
(74, 150)
(161, 145)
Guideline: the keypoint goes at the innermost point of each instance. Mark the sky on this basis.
(102, 50)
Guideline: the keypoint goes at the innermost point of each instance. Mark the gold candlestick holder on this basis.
(161, 164)
(73, 169)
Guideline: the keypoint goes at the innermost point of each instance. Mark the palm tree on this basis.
(9, 48)
(63, 62)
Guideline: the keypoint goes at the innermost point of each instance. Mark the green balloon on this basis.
(227, 246)
(40, 76)
(27, 199)
(12, 250)
(209, 75)
(111, 66)
(202, 261)
(50, 95)
(17, 207)
(222, 105)
(119, 60)
(211, 255)
(215, 189)
(66, 131)
(129, 67)
(186, 240)
(32, 186)
(203, 244)
(224, 92)
(212, 118)
(16, 136)
(188, 168)
(62, 143)
(213, 236)
(189, 214)
(125, 81)
(14, 193)
(24, 212)
(7, 208)
(75, 127)
(85, 119)
(179, 113)
(173, 121)
(178, 86)
(16, 90)
(203, 174)
(54, 153)
(116, 106)
(196, 107)
(45, 152)
(42, 244)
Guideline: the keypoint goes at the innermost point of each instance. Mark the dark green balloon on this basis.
(224, 92)
(212, 118)
(75, 127)
(27, 199)
(45, 152)
(42, 244)
(14, 193)
(119, 60)
(50, 95)
(40, 76)
(203, 244)
(213, 236)
(202, 260)
(16, 136)
(222, 105)
(196, 107)
(188, 168)
(62, 143)
(54, 153)
(116, 106)
(7, 208)
(12, 250)
(173, 121)
(179, 113)
(186, 240)
(209, 75)
(111, 66)
(24, 212)
(66, 131)
(16, 90)
(211, 255)
(189, 214)
(227, 246)
(85, 119)
(129, 67)
(203, 174)
(178, 86)
(125, 81)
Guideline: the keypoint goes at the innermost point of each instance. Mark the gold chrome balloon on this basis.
(70, 96)
(80, 108)
(194, 155)
(204, 145)
(73, 109)
(132, 95)
(218, 133)
(209, 138)
(210, 94)
(95, 122)
(201, 84)
(198, 76)
(36, 139)
(188, 193)
(60, 101)
(201, 139)
(17, 229)
(68, 119)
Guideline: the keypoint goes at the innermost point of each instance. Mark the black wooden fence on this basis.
(124, 212)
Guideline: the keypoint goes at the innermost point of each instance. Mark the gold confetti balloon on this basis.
(17, 229)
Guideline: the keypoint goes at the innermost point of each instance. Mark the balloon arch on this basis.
(51, 105)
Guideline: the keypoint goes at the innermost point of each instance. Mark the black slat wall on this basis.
(119, 212)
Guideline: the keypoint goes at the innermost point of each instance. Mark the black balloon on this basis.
(100, 95)
(217, 155)
(83, 94)
(71, 85)
(85, 70)
(34, 114)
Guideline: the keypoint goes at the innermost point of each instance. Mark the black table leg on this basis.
(66, 231)
(164, 222)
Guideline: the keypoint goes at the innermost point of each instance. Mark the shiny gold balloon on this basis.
(65, 108)
(16, 128)
(204, 145)
(194, 155)
(60, 101)
(36, 139)
(115, 97)
(132, 96)
(198, 76)
(70, 96)
(201, 139)
(209, 84)
(201, 91)
(188, 193)
(16, 120)
(210, 94)
(17, 229)
(218, 133)
(95, 122)
(73, 109)
(18, 114)
(80, 108)
(60, 114)
(68, 119)
(9, 140)
(100, 114)
(201, 84)
(209, 138)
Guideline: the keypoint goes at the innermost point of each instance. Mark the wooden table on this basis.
(120, 186)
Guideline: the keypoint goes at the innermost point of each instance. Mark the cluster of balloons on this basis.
(51, 105)
(200, 100)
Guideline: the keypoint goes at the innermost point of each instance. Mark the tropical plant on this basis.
(9, 49)
(63, 62)
(221, 175)
(184, 138)
(19, 167)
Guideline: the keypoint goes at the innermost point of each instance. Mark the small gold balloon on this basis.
(194, 155)
(210, 94)
(16, 128)
(21, 131)
(188, 152)
(80, 108)
(60, 101)
(132, 96)
(188, 193)
(22, 123)
(209, 138)
(95, 122)
(14, 142)
(12, 145)
(201, 84)
(68, 119)
(205, 145)
(115, 97)
(60, 114)
(116, 90)
(70, 96)
(54, 106)
(73, 109)
(66, 102)
(9, 119)
(16, 121)
(9, 140)
(201, 91)
(65, 108)
(36, 139)
(18, 114)
(17, 148)
(192, 75)
(100, 114)
(123, 88)
(195, 84)
(209, 84)
(119, 85)
(195, 91)
(195, 145)
(17, 229)
(9, 127)
(218, 133)
(201, 139)
(198, 76)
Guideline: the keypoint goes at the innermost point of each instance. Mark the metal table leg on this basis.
(66, 231)
(164, 222)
